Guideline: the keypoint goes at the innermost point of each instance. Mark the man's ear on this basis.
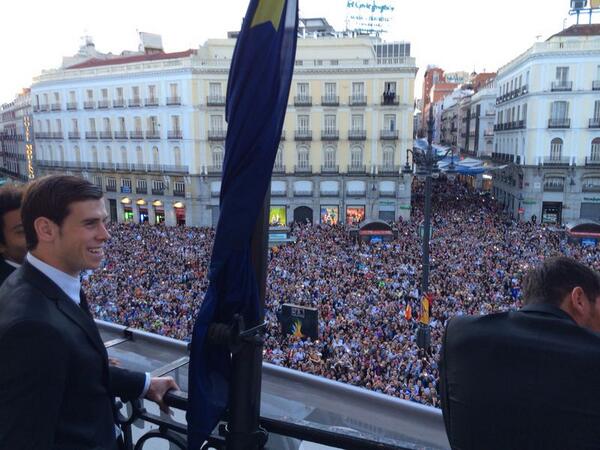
(579, 301)
(45, 229)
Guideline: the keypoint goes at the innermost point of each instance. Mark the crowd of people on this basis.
(155, 278)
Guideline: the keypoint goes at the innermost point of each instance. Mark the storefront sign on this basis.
(330, 214)
(28, 147)
(277, 216)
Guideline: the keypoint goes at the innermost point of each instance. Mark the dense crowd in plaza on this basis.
(155, 278)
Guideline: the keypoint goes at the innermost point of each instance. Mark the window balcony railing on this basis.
(559, 123)
(89, 104)
(330, 135)
(103, 104)
(138, 135)
(302, 193)
(111, 188)
(57, 135)
(303, 168)
(158, 191)
(279, 168)
(179, 193)
(134, 102)
(141, 190)
(126, 190)
(217, 135)
(389, 99)
(357, 169)
(74, 135)
(357, 100)
(72, 106)
(562, 86)
(330, 100)
(302, 100)
(215, 100)
(357, 135)
(172, 101)
(389, 134)
(41, 135)
(330, 169)
(214, 170)
(303, 135)
(106, 135)
(552, 187)
(153, 135)
(44, 108)
(91, 135)
(592, 160)
(152, 101)
(596, 85)
(282, 138)
(488, 133)
(557, 161)
(388, 169)
(119, 103)
(594, 122)
(121, 135)
(174, 134)
(55, 107)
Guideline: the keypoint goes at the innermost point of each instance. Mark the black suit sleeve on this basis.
(33, 372)
(126, 384)
(443, 380)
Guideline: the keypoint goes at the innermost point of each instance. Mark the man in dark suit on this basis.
(13, 247)
(528, 379)
(56, 386)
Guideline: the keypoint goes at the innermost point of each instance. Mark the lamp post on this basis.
(427, 168)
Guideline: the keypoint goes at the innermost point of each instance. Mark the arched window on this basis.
(556, 149)
(177, 156)
(217, 157)
(595, 151)
(155, 156)
(356, 157)
(388, 157)
(108, 152)
(279, 158)
(303, 157)
(329, 157)
(139, 155)
(123, 155)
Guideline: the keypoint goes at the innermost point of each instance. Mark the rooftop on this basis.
(578, 30)
(95, 62)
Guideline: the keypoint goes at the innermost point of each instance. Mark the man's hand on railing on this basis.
(159, 386)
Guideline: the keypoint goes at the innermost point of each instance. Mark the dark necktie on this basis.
(83, 303)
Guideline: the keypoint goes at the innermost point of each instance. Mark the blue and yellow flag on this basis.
(257, 94)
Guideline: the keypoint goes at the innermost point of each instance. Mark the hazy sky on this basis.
(455, 35)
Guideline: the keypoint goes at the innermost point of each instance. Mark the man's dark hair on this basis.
(556, 277)
(10, 199)
(51, 197)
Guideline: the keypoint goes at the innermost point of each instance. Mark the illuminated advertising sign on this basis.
(28, 147)
(595, 4)
(330, 214)
(277, 216)
(355, 214)
(369, 16)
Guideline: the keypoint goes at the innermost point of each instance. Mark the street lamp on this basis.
(427, 168)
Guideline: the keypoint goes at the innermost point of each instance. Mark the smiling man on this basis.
(13, 247)
(56, 386)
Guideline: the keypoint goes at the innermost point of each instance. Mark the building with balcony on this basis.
(481, 121)
(17, 135)
(134, 121)
(547, 112)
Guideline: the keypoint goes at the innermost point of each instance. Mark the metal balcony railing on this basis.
(592, 161)
(57, 135)
(141, 190)
(559, 123)
(134, 102)
(74, 135)
(330, 100)
(174, 134)
(279, 169)
(388, 169)
(389, 134)
(217, 135)
(44, 108)
(103, 104)
(302, 100)
(357, 135)
(55, 107)
(138, 135)
(596, 85)
(158, 191)
(305, 169)
(330, 135)
(106, 135)
(152, 101)
(153, 135)
(121, 135)
(72, 106)
(327, 169)
(357, 100)
(111, 188)
(562, 86)
(91, 135)
(357, 169)
(179, 193)
(214, 170)
(555, 161)
(89, 104)
(172, 101)
(119, 103)
(390, 99)
(594, 122)
(215, 100)
(303, 135)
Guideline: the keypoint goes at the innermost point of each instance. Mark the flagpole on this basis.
(243, 428)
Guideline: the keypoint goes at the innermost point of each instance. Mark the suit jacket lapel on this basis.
(66, 305)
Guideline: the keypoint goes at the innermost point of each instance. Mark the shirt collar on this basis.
(68, 284)
(12, 263)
